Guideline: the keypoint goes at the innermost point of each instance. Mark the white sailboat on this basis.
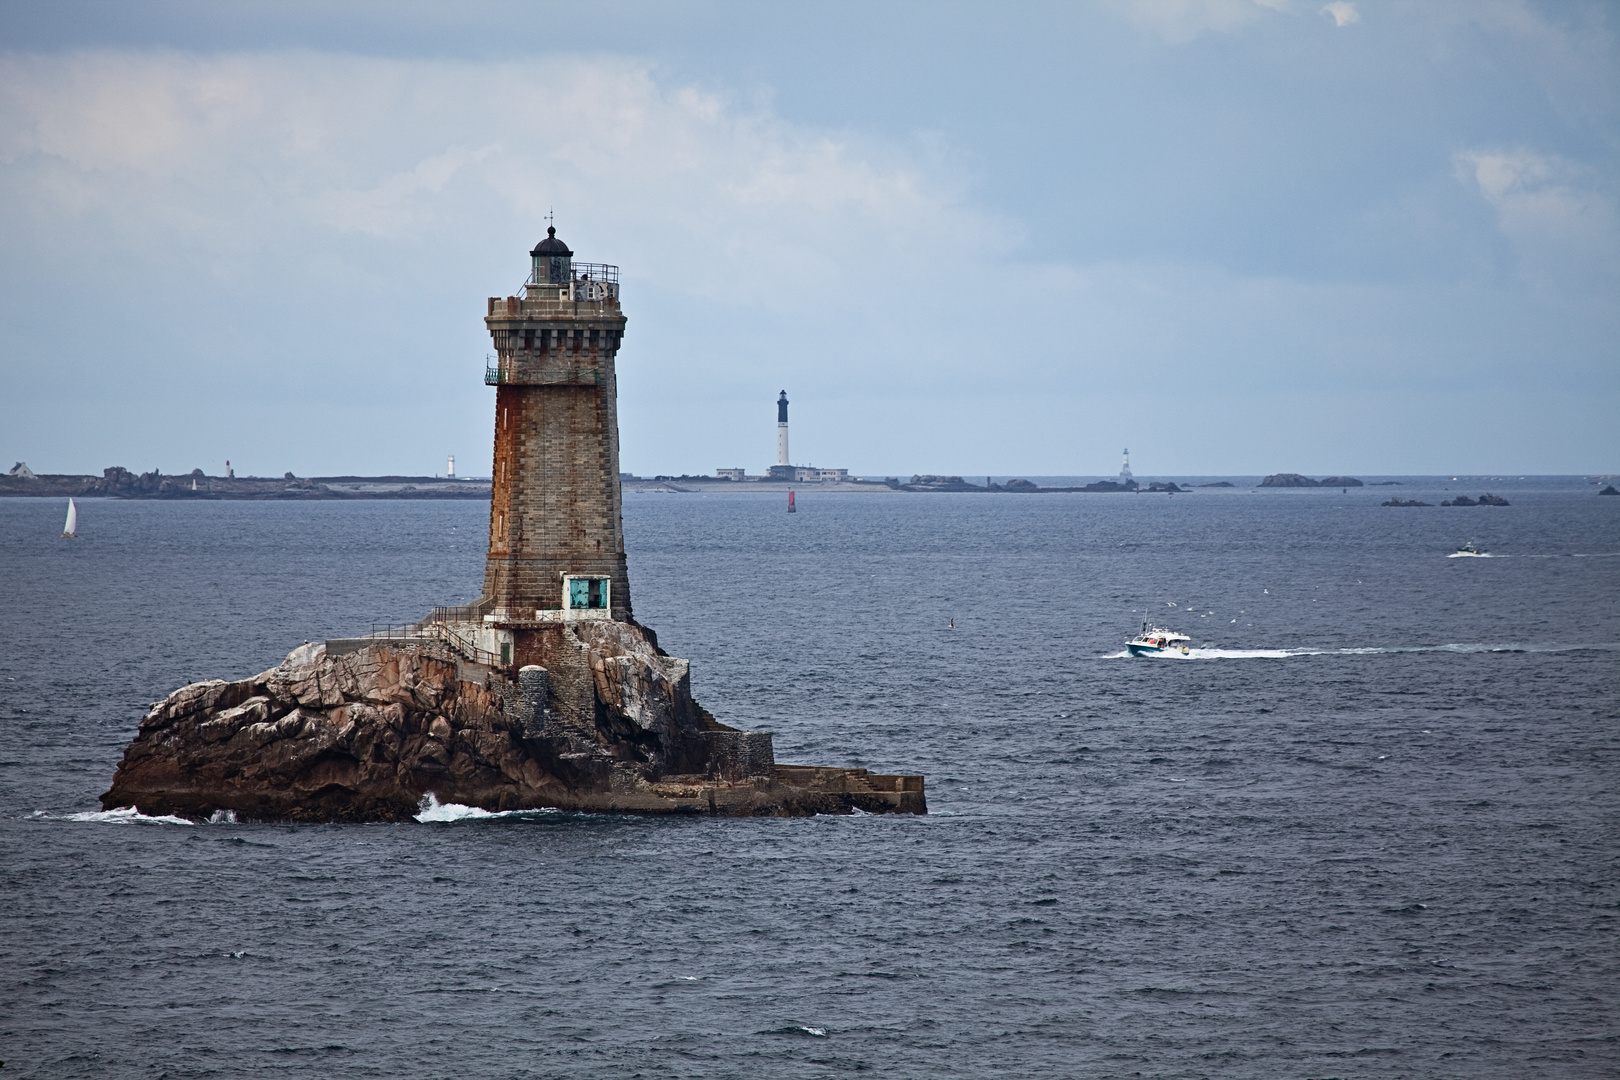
(70, 529)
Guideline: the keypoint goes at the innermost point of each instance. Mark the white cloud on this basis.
(1343, 12)
(388, 207)
(309, 237)
(1180, 21)
(1564, 228)
(241, 150)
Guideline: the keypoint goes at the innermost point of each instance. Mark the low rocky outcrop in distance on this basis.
(365, 730)
(1609, 490)
(930, 482)
(1404, 502)
(1292, 479)
(1219, 483)
(1028, 487)
(1486, 499)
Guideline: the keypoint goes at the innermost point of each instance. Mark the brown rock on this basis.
(365, 734)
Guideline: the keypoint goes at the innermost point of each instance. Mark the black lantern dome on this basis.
(553, 262)
(551, 246)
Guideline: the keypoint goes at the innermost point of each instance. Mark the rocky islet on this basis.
(364, 730)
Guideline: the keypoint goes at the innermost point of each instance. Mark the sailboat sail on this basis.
(71, 528)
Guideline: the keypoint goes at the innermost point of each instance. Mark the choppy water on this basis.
(1367, 828)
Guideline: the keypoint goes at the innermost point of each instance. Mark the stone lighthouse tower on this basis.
(556, 530)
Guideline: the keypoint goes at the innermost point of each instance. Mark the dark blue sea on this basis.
(1369, 827)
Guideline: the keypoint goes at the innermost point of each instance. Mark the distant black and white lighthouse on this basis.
(784, 469)
(781, 431)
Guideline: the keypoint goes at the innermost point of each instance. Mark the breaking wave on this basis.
(128, 815)
(432, 810)
(122, 815)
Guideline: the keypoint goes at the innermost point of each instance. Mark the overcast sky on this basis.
(1238, 237)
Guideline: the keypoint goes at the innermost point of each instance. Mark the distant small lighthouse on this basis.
(450, 469)
(1125, 469)
(781, 431)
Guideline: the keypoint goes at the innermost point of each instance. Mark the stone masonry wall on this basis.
(555, 505)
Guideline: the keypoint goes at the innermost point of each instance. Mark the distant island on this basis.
(1486, 499)
(917, 482)
(1295, 480)
(118, 482)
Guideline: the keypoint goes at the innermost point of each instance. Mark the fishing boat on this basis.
(1469, 551)
(71, 528)
(1154, 640)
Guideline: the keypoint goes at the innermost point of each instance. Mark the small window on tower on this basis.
(586, 593)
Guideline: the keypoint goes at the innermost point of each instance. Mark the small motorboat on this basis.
(1155, 639)
(1469, 551)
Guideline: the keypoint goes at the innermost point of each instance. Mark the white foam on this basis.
(433, 811)
(820, 1033)
(123, 815)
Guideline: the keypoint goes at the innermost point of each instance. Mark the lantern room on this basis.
(553, 262)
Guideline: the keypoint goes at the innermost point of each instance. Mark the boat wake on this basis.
(1212, 653)
(1565, 555)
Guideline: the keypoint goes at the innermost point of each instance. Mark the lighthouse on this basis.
(783, 469)
(556, 527)
(781, 431)
(1125, 469)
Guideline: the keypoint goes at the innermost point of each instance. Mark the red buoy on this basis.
(791, 508)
